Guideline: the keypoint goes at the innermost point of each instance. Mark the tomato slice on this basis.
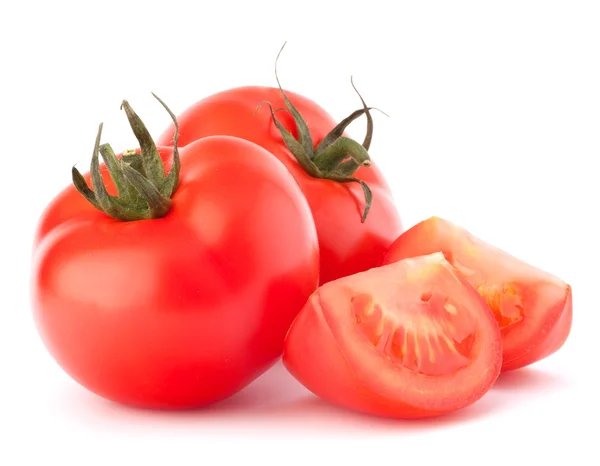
(533, 308)
(410, 339)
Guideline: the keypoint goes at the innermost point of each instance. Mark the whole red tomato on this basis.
(334, 172)
(178, 292)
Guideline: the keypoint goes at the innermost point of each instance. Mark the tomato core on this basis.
(431, 336)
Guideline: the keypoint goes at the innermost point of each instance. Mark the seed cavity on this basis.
(505, 301)
(432, 336)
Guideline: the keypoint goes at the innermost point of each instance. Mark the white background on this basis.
(494, 124)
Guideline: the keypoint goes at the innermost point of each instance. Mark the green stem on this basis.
(336, 157)
(144, 191)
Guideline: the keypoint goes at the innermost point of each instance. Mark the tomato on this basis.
(187, 308)
(347, 244)
(533, 308)
(411, 339)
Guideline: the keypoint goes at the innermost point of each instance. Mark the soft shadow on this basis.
(529, 380)
(274, 389)
(278, 403)
(313, 412)
(275, 402)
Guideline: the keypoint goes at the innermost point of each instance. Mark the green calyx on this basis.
(336, 157)
(144, 191)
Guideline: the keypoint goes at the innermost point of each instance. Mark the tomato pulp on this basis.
(411, 339)
(533, 308)
(186, 309)
(347, 245)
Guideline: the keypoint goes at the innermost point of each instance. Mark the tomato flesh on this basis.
(533, 308)
(410, 339)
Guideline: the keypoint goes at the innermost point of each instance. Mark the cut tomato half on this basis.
(533, 308)
(410, 339)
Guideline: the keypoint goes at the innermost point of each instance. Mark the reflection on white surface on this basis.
(276, 403)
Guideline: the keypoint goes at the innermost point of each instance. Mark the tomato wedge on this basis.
(533, 308)
(408, 340)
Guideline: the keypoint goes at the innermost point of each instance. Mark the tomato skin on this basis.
(326, 354)
(555, 334)
(187, 309)
(546, 299)
(347, 246)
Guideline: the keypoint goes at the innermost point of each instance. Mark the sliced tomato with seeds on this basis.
(407, 340)
(533, 308)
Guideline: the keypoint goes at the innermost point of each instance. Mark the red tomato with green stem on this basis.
(351, 203)
(173, 288)
(408, 340)
(533, 308)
